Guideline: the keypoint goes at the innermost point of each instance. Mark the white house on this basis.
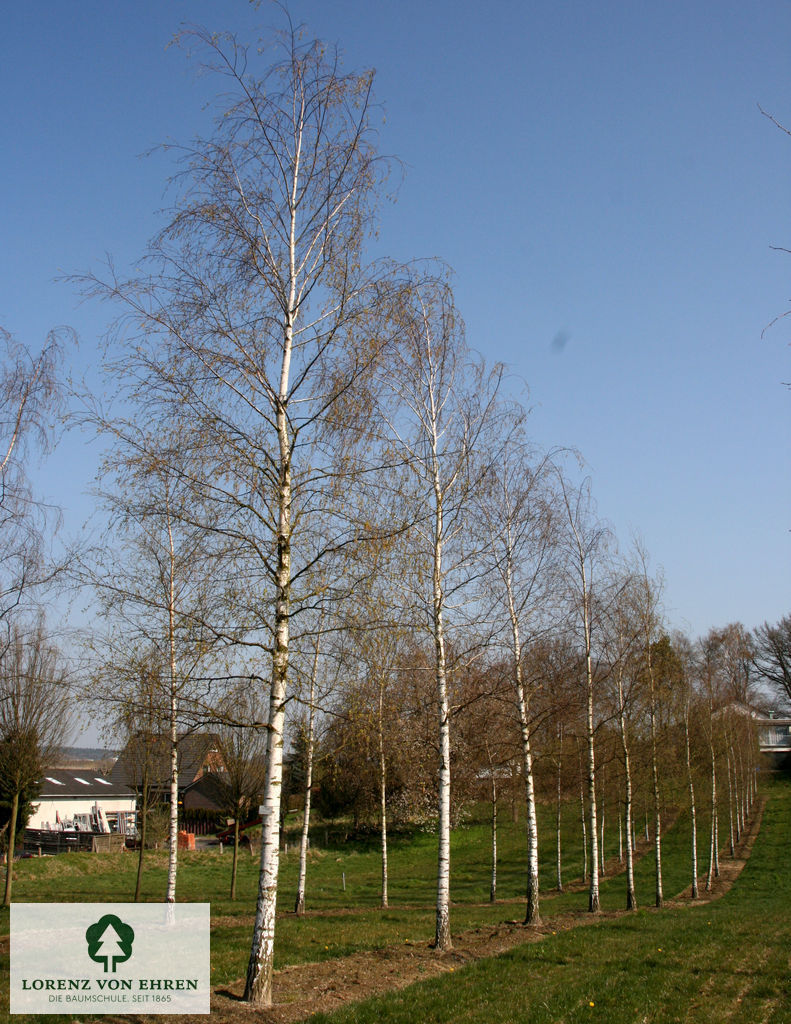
(80, 798)
(774, 739)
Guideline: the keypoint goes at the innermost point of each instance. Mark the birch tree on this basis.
(442, 402)
(152, 575)
(517, 511)
(622, 642)
(649, 618)
(243, 744)
(256, 317)
(31, 404)
(584, 541)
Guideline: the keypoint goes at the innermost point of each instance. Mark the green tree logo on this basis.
(109, 941)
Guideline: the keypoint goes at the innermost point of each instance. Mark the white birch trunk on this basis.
(299, 905)
(493, 884)
(173, 829)
(559, 862)
(442, 937)
(583, 819)
(731, 842)
(383, 793)
(532, 912)
(173, 825)
(655, 782)
(744, 789)
(692, 809)
(258, 986)
(593, 896)
(713, 834)
(631, 896)
(738, 781)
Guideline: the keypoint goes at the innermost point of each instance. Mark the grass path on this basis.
(352, 963)
(343, 983)
(703, 963)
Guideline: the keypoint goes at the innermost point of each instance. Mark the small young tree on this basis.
(243, 746)
(152, 574)
(376, 639)
(126, 691)
(308, 736)
(34, 716)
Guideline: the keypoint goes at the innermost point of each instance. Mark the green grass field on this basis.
(726, 961)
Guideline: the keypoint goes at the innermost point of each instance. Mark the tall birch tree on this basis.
(442, 401)
(649, 617)
(517, 511)
(377, 630)
(623, 634)
(584, 542)
(255, 317)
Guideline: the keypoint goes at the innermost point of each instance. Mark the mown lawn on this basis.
(663, 958)
(725, 961)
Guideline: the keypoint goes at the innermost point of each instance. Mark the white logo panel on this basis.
(110, 958)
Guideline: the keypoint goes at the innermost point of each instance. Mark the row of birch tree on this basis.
(322, 506)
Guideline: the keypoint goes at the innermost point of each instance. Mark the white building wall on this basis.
(44, 814)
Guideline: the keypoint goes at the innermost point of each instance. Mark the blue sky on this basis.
(599, 174)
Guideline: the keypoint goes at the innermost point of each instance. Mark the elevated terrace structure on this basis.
(774, 740)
